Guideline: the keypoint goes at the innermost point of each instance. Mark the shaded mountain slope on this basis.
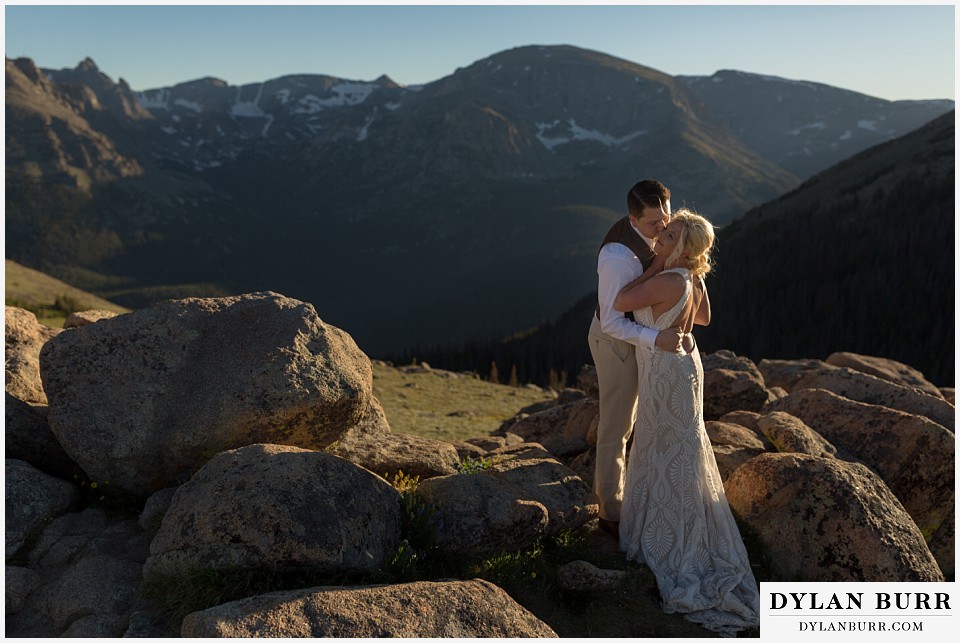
(859, 258)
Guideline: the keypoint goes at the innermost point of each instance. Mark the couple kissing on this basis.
(665, 502)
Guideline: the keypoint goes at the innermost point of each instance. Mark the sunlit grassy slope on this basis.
(447, 406)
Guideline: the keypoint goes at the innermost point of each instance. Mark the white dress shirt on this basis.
(617, 266)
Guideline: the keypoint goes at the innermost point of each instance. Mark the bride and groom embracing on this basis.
(666, 502)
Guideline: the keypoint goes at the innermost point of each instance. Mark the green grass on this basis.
(51, 300)
(430, 405)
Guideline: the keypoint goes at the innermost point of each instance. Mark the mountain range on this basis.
(468, 207)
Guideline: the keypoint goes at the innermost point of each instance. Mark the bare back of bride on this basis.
(675, 517)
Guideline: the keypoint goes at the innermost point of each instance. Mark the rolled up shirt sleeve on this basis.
(616, 267)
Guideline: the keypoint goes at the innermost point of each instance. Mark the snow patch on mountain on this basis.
(577, 133)
(817, 125)
(348, 94)
(154, 100)
(249, 109)
(189, 104)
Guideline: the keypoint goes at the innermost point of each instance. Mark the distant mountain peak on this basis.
(87, 64)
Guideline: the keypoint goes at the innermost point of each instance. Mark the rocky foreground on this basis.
(242, 434)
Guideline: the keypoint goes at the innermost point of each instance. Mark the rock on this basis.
(784, 373)
(581, 576)
(777, 392)
(481, 515)
(390, 453)
(731, 383)
(587, 381)
(886, 369)
(32, 499)
(570, 501)
(88, 567)
(454, 609)
(145, 624)
(469, 450)
(733, 435)
(273, 506)
(144, 399)
(729, 457)
(494, 442)
(93, 598)
(28, 437)
(84, 317)
(522, 493)
(943, 544)
(562, 430)
(746, 419)
(25, 336)
(568, 395)
(20, 583)
(913, 456)
(88, 533)
(585, 465)
(825, 520)
(790, 435)
(862, 387)
(155, 508)
(374, 421)
(97, 626)
(949, 394)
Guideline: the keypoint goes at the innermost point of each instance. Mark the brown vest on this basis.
(622, 232)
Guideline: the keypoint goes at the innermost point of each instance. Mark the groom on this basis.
(626, 250)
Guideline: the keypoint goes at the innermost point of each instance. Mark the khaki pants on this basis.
(617, 379)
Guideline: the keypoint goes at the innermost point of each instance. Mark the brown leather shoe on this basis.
(610, 526)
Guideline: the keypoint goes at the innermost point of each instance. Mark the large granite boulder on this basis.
(731, 383)
(569, 500)
(32, 498)
(866, 388)
(886, 369)
(274, 506)
(517, 494)
(784, 373)
(481, 515)
(825, 520)
(913, 456)
(562, 429)
(144, 399)
(452, 609)
(25, 336)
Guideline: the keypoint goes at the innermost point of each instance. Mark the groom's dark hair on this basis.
(647, 193)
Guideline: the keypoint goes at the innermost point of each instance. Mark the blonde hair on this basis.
(696, 241)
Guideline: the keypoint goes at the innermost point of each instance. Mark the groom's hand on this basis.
(670, 339)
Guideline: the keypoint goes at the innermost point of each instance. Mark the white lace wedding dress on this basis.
(675, 517)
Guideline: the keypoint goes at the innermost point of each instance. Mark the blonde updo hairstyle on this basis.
(693, 247)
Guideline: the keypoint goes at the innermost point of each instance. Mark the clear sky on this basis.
(888, 51)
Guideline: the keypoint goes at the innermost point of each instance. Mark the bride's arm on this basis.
(632, 293)
(703, 311)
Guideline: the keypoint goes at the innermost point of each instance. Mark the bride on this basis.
(675, 516)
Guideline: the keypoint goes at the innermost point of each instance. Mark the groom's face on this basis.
(651, 222)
